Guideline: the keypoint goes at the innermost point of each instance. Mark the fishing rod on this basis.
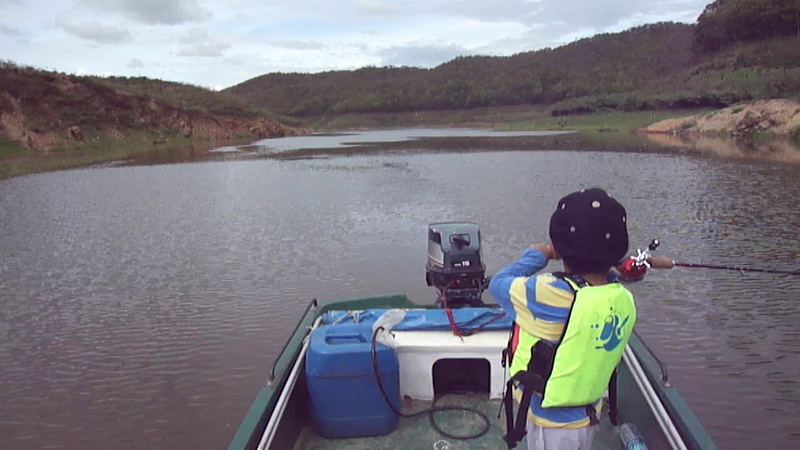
(737, 268)
(644, 260)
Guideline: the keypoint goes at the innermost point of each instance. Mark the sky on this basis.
(218, 44)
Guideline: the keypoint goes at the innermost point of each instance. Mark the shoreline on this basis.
(19, 162)
(608, 131)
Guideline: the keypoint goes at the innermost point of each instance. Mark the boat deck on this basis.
(417, 432)
(279, 416)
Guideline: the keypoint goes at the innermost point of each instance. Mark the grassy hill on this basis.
(649, 67)
(187, 96)
(43, 111)
(663, 66)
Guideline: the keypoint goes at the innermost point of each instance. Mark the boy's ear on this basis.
(556, 255)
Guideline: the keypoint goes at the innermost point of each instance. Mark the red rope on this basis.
(453, 325)
(480, 328)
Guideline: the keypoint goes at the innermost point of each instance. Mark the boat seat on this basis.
(418, 351)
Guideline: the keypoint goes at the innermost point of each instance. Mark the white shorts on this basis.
(540, 438)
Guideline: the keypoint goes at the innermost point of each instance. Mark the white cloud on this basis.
(374, 7)
(153, 12)
(205, 49)
(421, 56)
(9, 31)
(247, 38)
(197, 42)
(297, 44)
(93, 31)
(193, 35)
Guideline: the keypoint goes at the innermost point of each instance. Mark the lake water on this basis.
(142, 306)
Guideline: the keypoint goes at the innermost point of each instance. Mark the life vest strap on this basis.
(534, 379)
(514, 433)
(592, 413)
(613, 412)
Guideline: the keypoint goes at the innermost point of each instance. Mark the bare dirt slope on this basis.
(779, 116)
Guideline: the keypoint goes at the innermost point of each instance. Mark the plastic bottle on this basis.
(388, 320)
(631, 439)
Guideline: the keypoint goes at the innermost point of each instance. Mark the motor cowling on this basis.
(455, 264)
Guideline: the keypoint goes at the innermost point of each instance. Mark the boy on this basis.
(570, 327)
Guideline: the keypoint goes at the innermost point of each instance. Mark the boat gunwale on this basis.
(252, 427)
(692, 431)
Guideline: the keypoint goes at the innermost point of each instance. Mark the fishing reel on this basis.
(455, 264)
(635, 267)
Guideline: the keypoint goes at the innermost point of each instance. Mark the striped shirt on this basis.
(540, 305)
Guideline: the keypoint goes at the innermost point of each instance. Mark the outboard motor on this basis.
(455, 266)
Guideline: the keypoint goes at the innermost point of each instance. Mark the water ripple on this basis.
(143, 306)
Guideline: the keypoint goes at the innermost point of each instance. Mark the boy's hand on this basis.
(547, 249)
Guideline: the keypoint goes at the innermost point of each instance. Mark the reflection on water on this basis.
(141, 307)
(324, 145)
(361, 138)
(781, 149)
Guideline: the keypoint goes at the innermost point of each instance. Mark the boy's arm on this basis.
(533, 260)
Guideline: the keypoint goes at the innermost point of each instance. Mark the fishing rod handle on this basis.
(658, 262)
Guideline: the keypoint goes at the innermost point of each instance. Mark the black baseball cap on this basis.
(590, 226)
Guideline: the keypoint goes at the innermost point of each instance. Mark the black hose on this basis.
(466, 437)
(434, 409)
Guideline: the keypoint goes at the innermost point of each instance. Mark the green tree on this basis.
(725, 22)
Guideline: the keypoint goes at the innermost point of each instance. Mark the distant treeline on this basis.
(739, 50)
(726, 22)
(602, 64)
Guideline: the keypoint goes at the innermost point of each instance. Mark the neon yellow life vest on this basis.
(600, 323)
